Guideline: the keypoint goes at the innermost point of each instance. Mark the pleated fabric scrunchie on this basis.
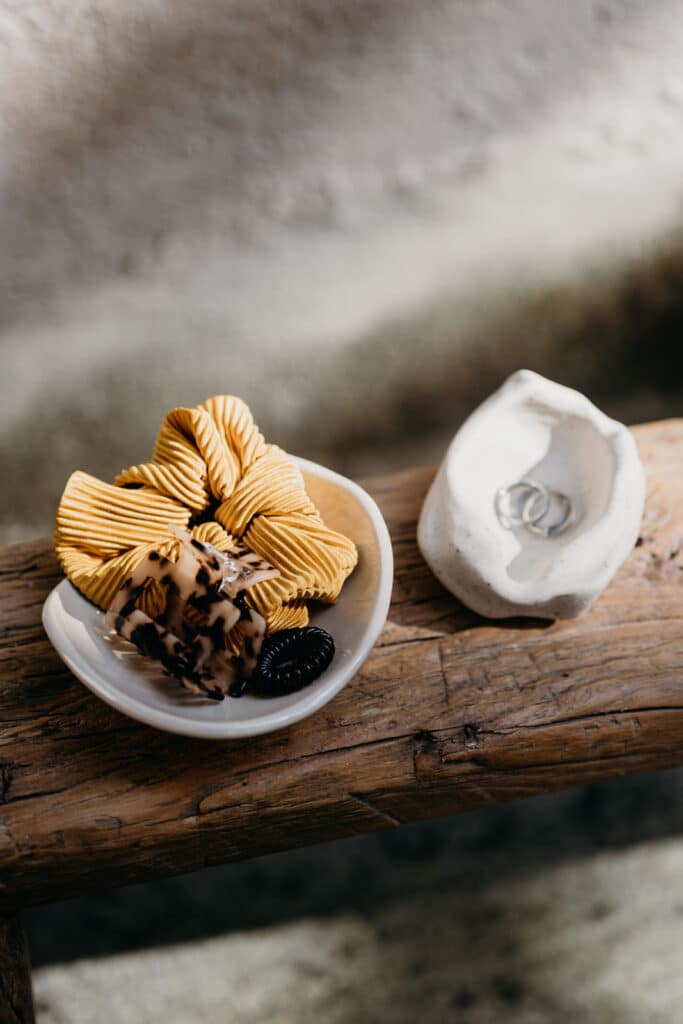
(213, 474)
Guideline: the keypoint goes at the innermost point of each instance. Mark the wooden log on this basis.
(449, 712)
(16, 1002)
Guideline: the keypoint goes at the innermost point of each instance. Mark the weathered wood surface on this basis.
(448, 713)
(16, 1000)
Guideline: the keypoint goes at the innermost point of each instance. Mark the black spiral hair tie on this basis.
(291, 659)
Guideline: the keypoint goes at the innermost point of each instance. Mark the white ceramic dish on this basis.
(137, 687)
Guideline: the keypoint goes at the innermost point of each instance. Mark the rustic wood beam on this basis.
(449, 712)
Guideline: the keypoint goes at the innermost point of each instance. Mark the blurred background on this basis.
(359, 217)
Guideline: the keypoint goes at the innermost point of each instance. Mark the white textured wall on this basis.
(327, 207)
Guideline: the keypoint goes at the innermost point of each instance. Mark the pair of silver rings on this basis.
(534, 506)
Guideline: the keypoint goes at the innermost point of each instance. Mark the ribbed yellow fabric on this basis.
(242, 441)
(106, 520)
(313, 560)
(271, 486)
(288, 616)
(210, 461)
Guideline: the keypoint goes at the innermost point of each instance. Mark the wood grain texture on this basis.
(16, 1000)
(449, 712)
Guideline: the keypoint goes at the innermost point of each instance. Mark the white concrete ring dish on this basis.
(533, 429)
(137, 686)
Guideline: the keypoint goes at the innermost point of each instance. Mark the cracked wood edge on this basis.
(448, 713)
(16, 1000)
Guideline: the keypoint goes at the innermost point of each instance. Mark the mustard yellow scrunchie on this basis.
(212, 473)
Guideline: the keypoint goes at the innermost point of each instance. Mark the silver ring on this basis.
(560, 511)
(514, 505)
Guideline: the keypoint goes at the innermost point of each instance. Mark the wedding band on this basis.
(556, 519)
(531, 504)
(514, 504)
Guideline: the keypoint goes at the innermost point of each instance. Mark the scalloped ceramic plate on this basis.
(137, 687)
